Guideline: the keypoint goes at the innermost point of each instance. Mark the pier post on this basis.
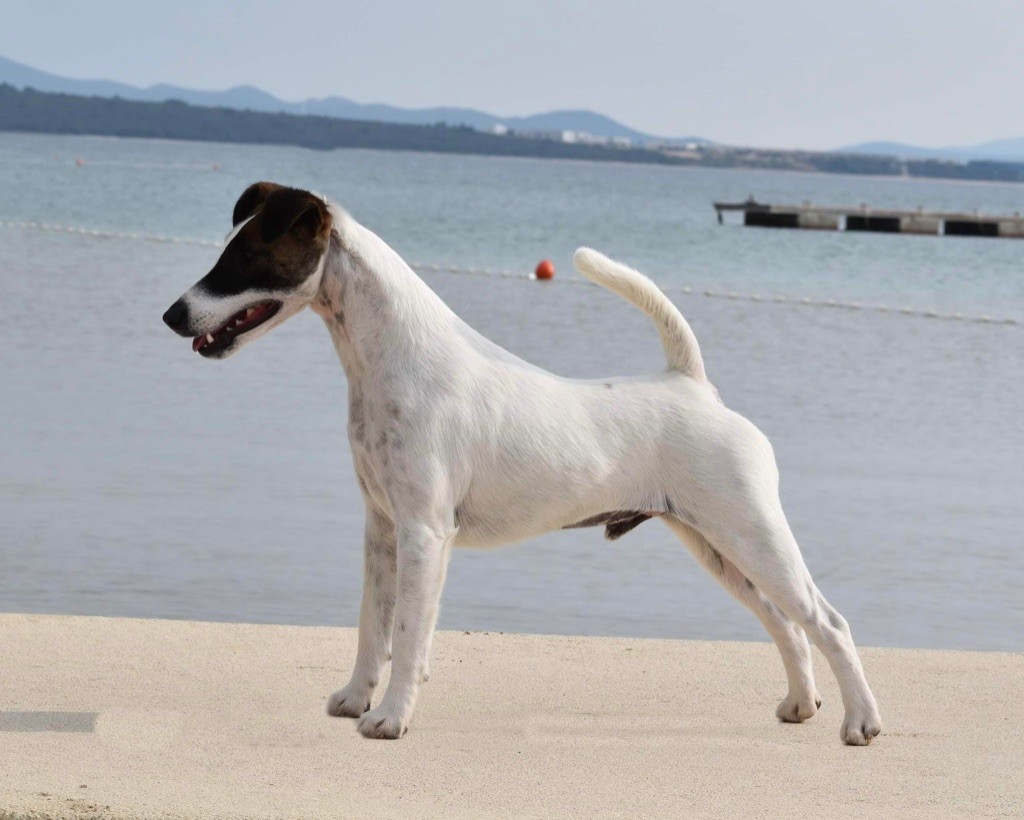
(1013, 228)
(817, 221)
(920, 224)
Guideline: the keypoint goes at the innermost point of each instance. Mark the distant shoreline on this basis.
(35, 112)
(611, 162)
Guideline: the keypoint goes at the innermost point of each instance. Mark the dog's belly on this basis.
(489, 533)
(494, 525)
(487, 530)
(549, 477)
(488, 520)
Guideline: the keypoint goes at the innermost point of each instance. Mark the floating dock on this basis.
(875, 220)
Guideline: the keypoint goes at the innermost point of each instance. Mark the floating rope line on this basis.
(96, 234)
(735, 296)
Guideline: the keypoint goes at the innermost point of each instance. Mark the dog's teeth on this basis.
(209, 338)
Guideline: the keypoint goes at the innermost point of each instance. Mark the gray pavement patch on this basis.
(48, 721)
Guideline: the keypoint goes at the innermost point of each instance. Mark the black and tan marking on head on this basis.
(280, 245)
(266, 273)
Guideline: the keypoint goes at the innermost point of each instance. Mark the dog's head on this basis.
(269, 270)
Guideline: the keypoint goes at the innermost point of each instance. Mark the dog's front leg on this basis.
(376, 616)
(423, 552)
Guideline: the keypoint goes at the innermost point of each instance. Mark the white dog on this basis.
(458, 442)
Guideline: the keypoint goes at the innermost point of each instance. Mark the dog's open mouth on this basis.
(242, 322)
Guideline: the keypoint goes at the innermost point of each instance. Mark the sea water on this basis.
(138, 479)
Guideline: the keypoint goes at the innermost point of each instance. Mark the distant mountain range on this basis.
(27, 110)
(1009, 150)
(247, 97)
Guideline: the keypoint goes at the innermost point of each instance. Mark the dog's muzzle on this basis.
(214, 343)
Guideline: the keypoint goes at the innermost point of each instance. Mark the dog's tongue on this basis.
(196, 342)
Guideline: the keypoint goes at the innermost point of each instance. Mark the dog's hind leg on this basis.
(802, 700)
(376, 616)
(763, 548)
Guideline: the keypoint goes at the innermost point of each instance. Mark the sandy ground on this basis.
(129, 718)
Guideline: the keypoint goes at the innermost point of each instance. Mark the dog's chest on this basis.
(379, 436)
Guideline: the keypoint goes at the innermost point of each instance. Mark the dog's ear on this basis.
(251, 199)
(289, 210)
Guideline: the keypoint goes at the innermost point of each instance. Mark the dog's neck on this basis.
(379, 313)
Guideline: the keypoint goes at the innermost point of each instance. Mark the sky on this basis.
(746, 72)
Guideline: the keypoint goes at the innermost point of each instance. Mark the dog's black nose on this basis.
(176, 317)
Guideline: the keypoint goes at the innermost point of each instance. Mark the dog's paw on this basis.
(859, 728)
(798, 708)
(381, 724)
(350, 701)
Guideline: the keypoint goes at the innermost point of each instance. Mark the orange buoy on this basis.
(545, 269)
(79, 162)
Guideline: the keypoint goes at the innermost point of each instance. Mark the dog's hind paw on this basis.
(798, 708)
(350, 701)
(379, 724)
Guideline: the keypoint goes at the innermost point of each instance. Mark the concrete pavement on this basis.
(168, 719)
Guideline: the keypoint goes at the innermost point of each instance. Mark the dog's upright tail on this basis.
(681, 348)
